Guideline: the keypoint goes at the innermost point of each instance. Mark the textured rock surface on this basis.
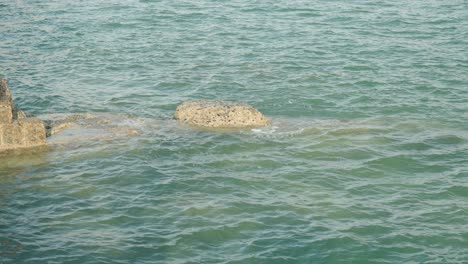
(6, 103)
(17, 130)
(220, 114)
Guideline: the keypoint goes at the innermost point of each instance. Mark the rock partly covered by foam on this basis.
(17, 130)
(220, 114)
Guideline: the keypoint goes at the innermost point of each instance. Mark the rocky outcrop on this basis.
(16, 129)
(220, 114)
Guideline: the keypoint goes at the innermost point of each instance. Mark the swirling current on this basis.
(366, 159)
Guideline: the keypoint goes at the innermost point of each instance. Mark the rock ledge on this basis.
(17, 130)
(219, 114)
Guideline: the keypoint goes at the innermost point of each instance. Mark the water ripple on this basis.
(365, 160)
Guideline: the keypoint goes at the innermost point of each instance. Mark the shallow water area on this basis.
(365, 160)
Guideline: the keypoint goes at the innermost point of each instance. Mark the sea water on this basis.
(366, 160)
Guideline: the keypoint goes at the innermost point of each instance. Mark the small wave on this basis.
(282, 127)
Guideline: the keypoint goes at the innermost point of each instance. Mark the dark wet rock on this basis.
(17, 130)
(220, 114)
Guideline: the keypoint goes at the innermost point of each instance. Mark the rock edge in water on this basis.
(16, 129)
(220, 114)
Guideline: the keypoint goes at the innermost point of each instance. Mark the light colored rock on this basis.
(219, 114)
(6, 114)
(25, 133)
(6, 103)
(21, 115)
(5, 94)
(16, 130)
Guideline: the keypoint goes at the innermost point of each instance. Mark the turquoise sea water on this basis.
(366, 160)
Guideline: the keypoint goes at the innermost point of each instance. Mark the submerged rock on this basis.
(220, 114)
(59, 122)
(64, 129)
(16, 129)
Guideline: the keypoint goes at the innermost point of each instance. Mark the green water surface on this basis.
(366, 160)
